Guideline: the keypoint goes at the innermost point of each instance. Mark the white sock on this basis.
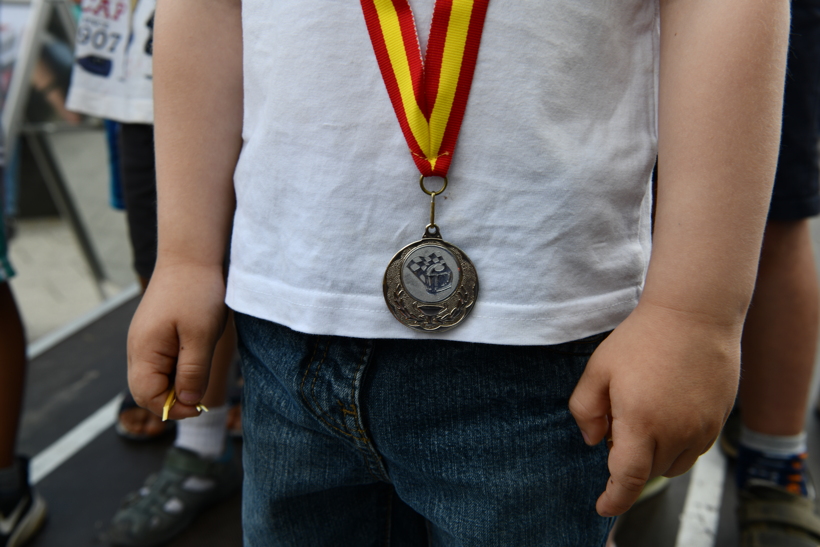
(204, 434)
(775, 445)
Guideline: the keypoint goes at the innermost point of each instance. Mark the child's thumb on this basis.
(193, 369)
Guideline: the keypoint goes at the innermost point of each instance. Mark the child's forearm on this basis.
(663, 382)
(720, 101)
(198, 113)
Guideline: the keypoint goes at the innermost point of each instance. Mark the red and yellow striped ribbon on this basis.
(429, 98)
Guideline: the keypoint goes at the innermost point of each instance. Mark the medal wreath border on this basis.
(455, 307)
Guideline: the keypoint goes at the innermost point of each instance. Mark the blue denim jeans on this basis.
(357, 443)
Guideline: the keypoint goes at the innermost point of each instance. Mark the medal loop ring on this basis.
(429, 192)
(431, 231)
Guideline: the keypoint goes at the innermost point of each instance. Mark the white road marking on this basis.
(89, 429)
(701, 510)
(75, 440)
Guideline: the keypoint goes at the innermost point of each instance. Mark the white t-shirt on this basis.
(549, 189)
(113, 67)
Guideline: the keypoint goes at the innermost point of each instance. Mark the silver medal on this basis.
(430, 285)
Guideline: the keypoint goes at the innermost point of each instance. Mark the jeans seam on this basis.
(369, 451)
(315, 408)
(325, 416)
(361, 442)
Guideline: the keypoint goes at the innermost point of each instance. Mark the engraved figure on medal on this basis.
(430, 274)
(430, 285)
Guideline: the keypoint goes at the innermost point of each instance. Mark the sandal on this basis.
(773, 517)
(127, 405)
(171, 499)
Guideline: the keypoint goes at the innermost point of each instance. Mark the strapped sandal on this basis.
(773, 517)
(171, 499)
(128, 403)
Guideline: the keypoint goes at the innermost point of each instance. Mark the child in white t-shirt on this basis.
(353, 435)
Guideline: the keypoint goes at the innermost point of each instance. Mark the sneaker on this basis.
(770, 516)
(24, 516)
(171, 499)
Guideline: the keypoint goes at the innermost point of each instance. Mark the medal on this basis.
(430, 284)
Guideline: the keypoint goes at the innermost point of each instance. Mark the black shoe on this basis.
(24, 514)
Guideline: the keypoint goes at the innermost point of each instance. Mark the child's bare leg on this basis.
(12, 373)
(20, 506)
(779, 343)
(780, 335)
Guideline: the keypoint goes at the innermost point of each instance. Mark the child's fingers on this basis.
(630, 466)
(170, 403)
(685, 461)
(155, 350)
(150, 386)
(590, 404)
(170, 409)
(151, 362)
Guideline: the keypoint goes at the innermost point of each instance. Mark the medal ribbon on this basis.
(429, 100)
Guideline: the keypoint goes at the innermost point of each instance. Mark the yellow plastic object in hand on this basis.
(169, 403)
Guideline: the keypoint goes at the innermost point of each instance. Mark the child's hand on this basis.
(172, 338)
(667, 379)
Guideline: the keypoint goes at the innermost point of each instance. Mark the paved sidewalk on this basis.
(54, 284)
